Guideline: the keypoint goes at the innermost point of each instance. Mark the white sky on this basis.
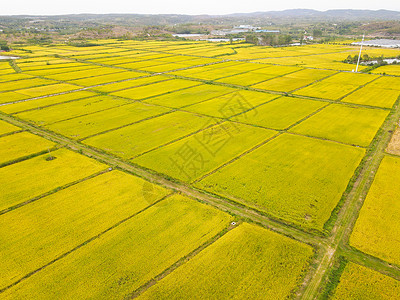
(54, 7)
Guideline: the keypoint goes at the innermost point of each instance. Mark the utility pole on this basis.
(359, 55)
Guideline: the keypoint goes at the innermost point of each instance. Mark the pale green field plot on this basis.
(135, 139)
(280, 113)
(373, 96)
(42, 102)
(22, 144)
(84, 126)
(129, 84)
(69, 110)
(30, 178)
(190, 96)
(128, 256)
(327, 90)
(301, 187)
(342, 123)
(48, 90)
(377, 229)
(194, 156)
(232, 104)
(106, 78)
(155, 89)
(248, 262)
(7, 127)
(38, 233)
(358, 282)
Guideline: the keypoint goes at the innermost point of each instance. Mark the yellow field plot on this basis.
(213, 74)
(111, 60)
(4, 65)
(50, 67)
(30, 178)
(243, 67)
(373, 96)
(113, 87)
(246, 79)
(48, 90)
(278, 70)
(106, 78)
(84, 126)
(7, 71)
(327, 90)
(351, 78)
(7, 127)
(358, 282)
(232, 104)
(200, 61)
(178, 59)
(386, 82)
(155, 89)
(24, 83)
(46, 63)
(15, 76)
(377, 229)
(11, 96)
(84, 73)
(389, 69)
(136, 139)
(342, 123)
(300, 187)
(248, 262)
(69, 110)
(206, 150)
(283, 84)
(128, 256)
(280, 113)
(166, 67)
(191, 95)
(77, 67)
(41, 102)
(68, 218)
(141, 64)
(22, 144)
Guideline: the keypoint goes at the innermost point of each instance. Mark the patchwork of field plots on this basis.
(301, 187)
(186, 170)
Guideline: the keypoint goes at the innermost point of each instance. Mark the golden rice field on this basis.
(376, 231)
(194, 170)
(358, 282)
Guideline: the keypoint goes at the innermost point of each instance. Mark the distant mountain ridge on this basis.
(278, 17)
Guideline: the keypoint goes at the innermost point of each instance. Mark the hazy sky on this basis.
(49, 7)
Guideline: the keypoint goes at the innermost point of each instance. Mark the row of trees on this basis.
(4, 46)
